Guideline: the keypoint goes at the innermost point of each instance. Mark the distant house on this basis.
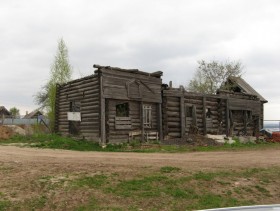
(33, 115)
(4, 113)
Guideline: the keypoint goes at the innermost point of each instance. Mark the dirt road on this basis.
(47, 159)
(40, 179)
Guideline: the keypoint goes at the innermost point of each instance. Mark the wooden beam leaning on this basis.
(204, 116)
(182, 116)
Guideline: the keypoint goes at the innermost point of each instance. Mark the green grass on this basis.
(95, 181)
(4, 204)
(169, 169)
(54, 141)
(163, 188)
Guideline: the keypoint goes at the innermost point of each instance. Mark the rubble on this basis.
(7, 131)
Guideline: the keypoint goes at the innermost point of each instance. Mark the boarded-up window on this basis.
(122, 123)
(122, 110)
(147, 116)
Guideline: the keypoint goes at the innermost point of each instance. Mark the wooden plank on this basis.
(121, 127)
(227, 118)
(125, 122)
(102, 113)
(160, 122)
(182, 117)
(125, 75)
(123, 118)
(175, 134)
(142, 122)
(245, 121)
(194, 116)
(204, 116)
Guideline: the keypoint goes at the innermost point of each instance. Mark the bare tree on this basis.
(210, 76)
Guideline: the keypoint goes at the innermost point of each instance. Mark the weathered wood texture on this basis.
(209, 113)
(174, 112)
(128, 86)
(86, 91)
(118, 128)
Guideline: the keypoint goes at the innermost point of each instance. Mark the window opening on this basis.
(208, 113)
(75, 106)
(147, 115)
(189, 111)
(122, 110)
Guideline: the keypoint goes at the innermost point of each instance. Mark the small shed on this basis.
(113, 105)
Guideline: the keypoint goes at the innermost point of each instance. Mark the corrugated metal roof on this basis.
(244, 86)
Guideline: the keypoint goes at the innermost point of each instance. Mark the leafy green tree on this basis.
(60, 73)
(15, 112)
(210, 76)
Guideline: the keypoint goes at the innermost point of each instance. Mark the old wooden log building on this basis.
(118, 105)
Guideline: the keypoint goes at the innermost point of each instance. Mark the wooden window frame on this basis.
(126, 112)
(147, 116)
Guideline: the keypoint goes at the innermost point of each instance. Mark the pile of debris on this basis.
(271, 136)
(193, 140)
(7, 131)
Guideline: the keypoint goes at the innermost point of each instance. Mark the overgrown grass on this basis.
(190, 191)
(4, 204)
(54, 141)
(162, 188)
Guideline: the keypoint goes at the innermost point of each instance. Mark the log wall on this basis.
(86, 91)
(128, 86)
(118, 134)
(210, 114)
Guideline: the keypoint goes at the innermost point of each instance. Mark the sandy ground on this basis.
(48, 159)
(24, 172)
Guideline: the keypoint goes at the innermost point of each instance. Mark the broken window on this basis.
(249, 115)
(75, 106)
(208, 113)
(147, 115)
(189, 111)
(122, 110)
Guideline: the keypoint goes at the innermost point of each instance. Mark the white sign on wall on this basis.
(74, 116)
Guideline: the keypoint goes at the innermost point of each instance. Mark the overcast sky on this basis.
(149, 35)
